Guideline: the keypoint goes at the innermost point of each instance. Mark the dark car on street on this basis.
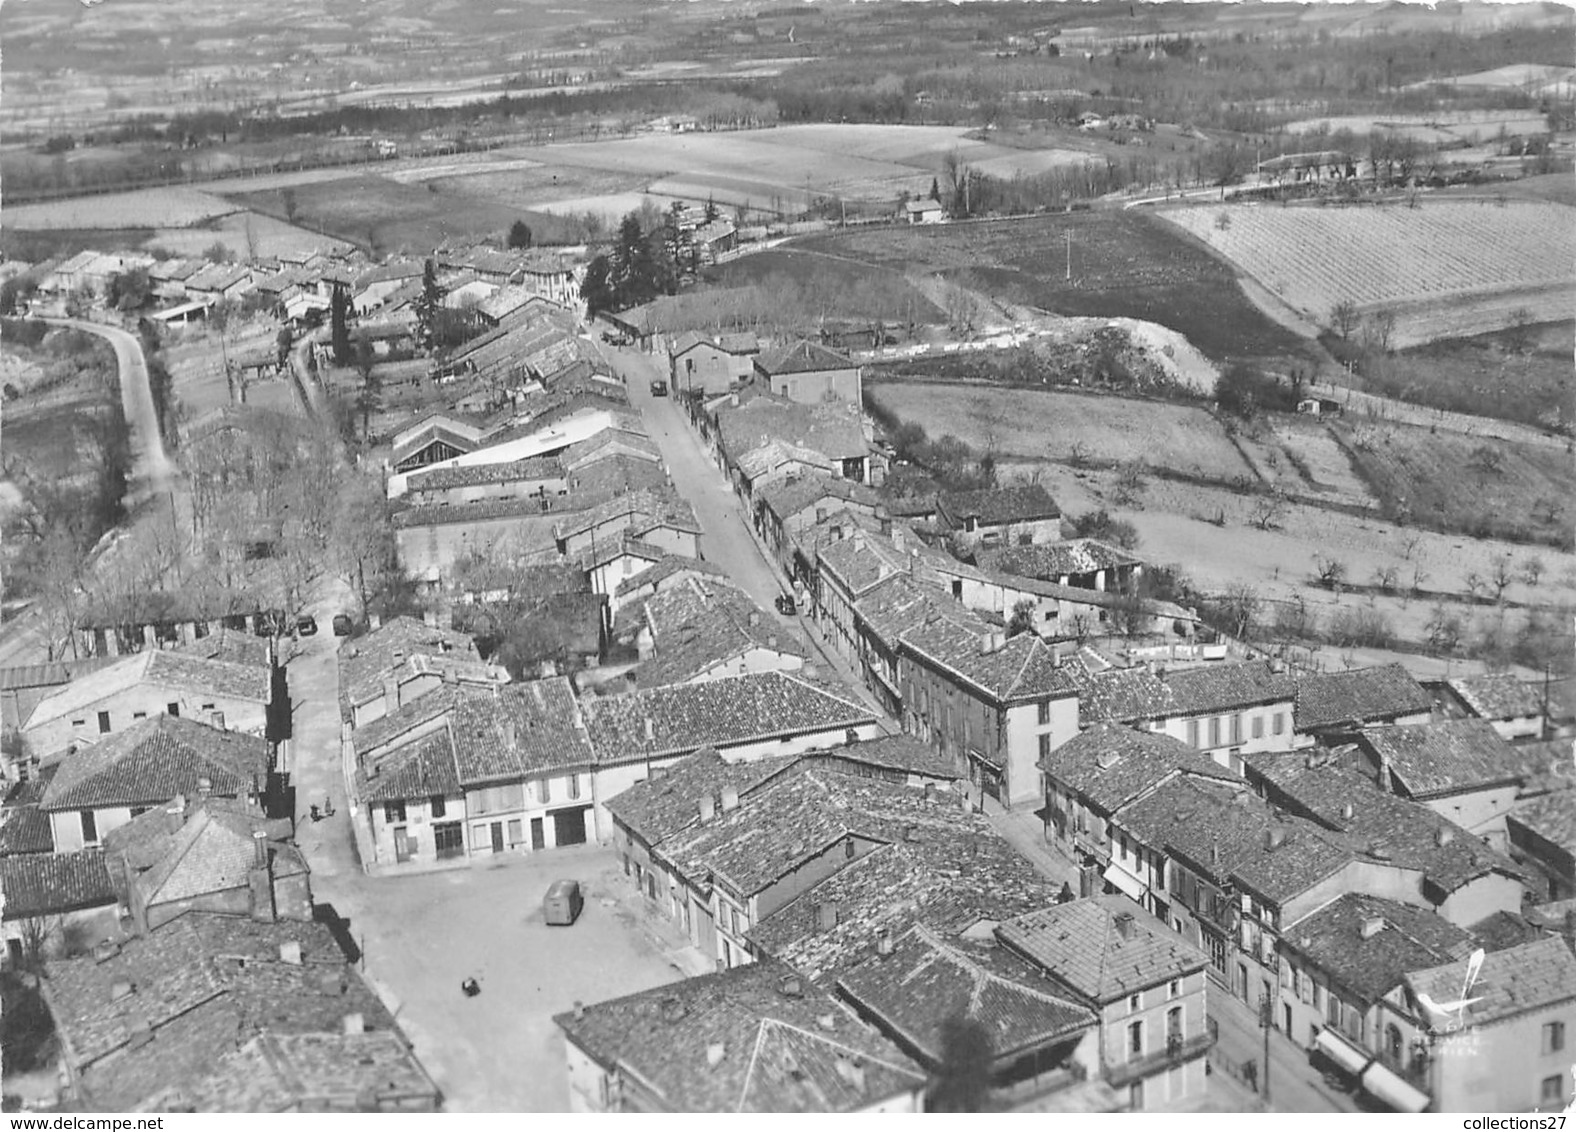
(343, 625)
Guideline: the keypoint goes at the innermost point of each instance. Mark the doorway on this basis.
(497, 837)
(538, 836)
(569, 826)
(402, 846)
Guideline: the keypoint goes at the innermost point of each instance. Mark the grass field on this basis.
(1441, 478)
(1431, 266)
(860, 290)
(174, 207)
(536, 186)
(1124, 264)
(50, 425)
(1025, 425)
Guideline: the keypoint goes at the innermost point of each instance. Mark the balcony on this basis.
(1176, 1051)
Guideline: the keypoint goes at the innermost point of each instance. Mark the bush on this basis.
(1244, 392)
(1100, 525)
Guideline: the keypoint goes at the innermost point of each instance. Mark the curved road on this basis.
(153, 473)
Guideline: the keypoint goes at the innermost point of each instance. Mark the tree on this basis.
(282, 343)
(218, 252)
(369, 394)
(596, 289)
(1500, 577)
(339, 325)
(428, 304)
(1240, 608)
(129, 291)
(711, 210)
(1344, 318)
(935, 190)
(963, 1079)
(1022, 619)
(1130, 482)
(519, 235)
(1486, 460)
(1100, 525)
(1532, 570)
(1518, 335)
(1268, 510)
(362, 548)
(1331, 572)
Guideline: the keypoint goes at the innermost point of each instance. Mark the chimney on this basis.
(119, 989)
(390, 694)
(1348, 811)
(771, 641)
(259, 849)
(374, 622)
(355, 1023)
(511, 733)
(730, 798)
(105, 950)
(897, 536)
(826, 915)
(1372, 926)
(790, 986)
(1274, 838)
(755, 619)
(651, 730)
(827, 1022)
(884, 521)
(1214, 850)
(852, 1071)
(987, 643)
(708, 808)
(1443, 836)
(715, 1052)
(290, 952)
(175, 813)
(884, 944)
(580, 1011)
(1124, 924)
(204, 787)
(1384, 775)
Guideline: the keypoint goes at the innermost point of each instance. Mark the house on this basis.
(1506, 1048)
(809, 374)
(1335, 703)
(24, 686)
(827, 437)
(45, 895)
(715, 239)
(994, 704)
(1542, 835)
(549, 633)
(697, 363)
(466, 773)
(164, 682)
(786, 508)
(168, 1022)
(753, 1039)
(1343, 970)
(154, 619)
(214, 855)
(1024, 515)
(1084, 563)
(1459, 768)
(923, 211)
(752, 716)
(377, 676)
(24, 828)
(659, 518)
(1514, 706)
(1145, 985)
(372, 288)
(105, 784)
(915, 985)
(653, 578)
(517, 479)
(698, 632)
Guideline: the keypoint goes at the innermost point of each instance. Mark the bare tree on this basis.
(1385, 577)
(1501, 576)
(1474, 584)
(1532, 570)
(1344, 318)
(1443, 629)
(1331, 572)
(1241, 605)
(1268, 510)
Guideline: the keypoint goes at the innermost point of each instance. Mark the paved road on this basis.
(1294, 1085)
(153, 473)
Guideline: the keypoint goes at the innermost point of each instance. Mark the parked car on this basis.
(343, 625)
(786, 605)
(659, 389)
(562, 904)
(306, 625)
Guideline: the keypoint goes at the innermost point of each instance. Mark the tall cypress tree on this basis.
(339, 325)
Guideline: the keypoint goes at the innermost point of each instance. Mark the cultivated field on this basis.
(175, 207)
(1026, 425)
(1125, 264)
(1444, 128)
(1300, 457)
(242, 233)
(1431, 266)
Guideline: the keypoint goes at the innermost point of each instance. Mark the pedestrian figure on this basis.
(471, 987)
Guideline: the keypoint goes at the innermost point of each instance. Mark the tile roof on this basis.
(155, 759)
(796, 493)
(1021, 668)
(1112, 766)
(1340, 940)
(412, 715)
(1433, 759)
(522, 730)
(661, 807)
(995, 505)
(1499, 931)
(422, 768)
(833, 429)
(758, 462)
(675, 566)
(365, 661)
(752, 1039)
(1083, 944)
(1498, 695)
(231, 646)
(594, 448)
(1362, 695)
(614, 473)
(52, 884)
(25, 829)
(535, 468)
(213, 851)
(897, 604)
(201, 985)
(17, 677)
(902, 753)
(1550, 816)
(803, 357)
(646, 508)
(1228, 687)
(926, 982)
(724, 712)
(1125, 695)
(695, 626)
(1375, 824)
(1511, 982)
(951, 876)
(313, 1072)
(177, 671)
(1051, 561)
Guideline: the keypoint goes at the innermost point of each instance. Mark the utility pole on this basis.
(1266, 1019)
(1069, 255)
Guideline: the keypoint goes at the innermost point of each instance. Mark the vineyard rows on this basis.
(1315, 258)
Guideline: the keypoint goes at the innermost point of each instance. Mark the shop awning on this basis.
(1383, 1084)
(1129, 885)
(1341, 1051)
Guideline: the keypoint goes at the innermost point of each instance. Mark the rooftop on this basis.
(755, 1038)
(802, 357)
(993, 506)
(696, 626)
(365, 661)
(1362, 695)
(835, 430)
(795, 493)
(155, 759)
(724, 712)
(1112, 766)
(1367, 944)
(478, 475)
(668, 566)
(52, 884)
(1433, 759)
(1020, 668)
(176, 671)
(1051, 561)
(1103, 948)
(658, 808)
(1509, 983)
(1549, 816)
(1498, 695)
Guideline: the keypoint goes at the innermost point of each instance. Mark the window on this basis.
(393, 812)
(103, 722)
(435, 803)
(447, 841)
(1135, 1096)
(1173, 1025)
(574, 786)
(545, 790)
(1552, 1090)
(849, 848)
(1135, 1039)
(139, 715)
(1258, 727)
(1192, 733)
(1214, 731)
(1392, 1044)
(1318, 998)
(1135, 1002)
(173, 709)
(209, 707)
(1236, 728)
(1280, 722)
(1045, 712)
(79, 723)
(1553, 1037)
(138, 811)
(1045, 745)
(89, 828)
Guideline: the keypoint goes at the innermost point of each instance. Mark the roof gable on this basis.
(156, 759)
